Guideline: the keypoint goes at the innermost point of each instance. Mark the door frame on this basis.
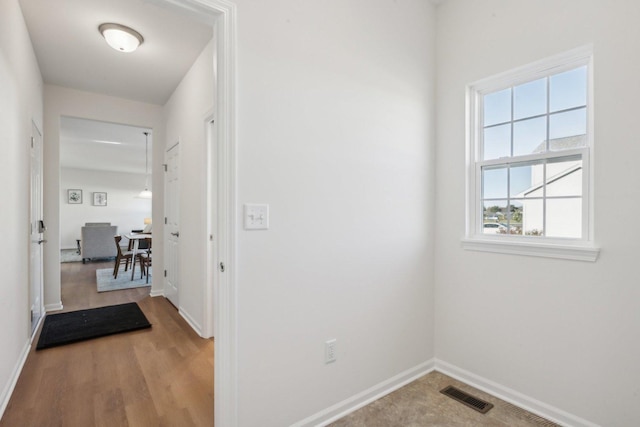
(225, 304)
(223, 14)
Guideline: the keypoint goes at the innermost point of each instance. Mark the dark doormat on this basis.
(66, 328)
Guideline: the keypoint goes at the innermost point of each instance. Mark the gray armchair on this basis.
(97, 241)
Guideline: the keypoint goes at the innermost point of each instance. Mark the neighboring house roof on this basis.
(559, 144)
(551, 180)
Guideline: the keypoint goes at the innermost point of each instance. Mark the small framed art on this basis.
(74, 197)
(99, 199)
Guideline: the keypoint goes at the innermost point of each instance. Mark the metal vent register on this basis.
(467, 399)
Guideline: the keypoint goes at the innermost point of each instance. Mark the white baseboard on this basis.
(514, 397)
(356, 402)
(191, 321)
(35, 330)
(53, 307)
(8, 391)
(156, 293)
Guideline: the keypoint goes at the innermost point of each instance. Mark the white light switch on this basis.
(256, 217)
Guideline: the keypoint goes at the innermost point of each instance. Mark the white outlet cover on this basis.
(256, 216)
(330, 351)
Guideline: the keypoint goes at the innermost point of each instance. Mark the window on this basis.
(529, 158)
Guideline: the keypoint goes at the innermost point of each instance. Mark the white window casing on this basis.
(579, 245)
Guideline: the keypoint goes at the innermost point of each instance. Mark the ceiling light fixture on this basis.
(121, 38)
(146, 194)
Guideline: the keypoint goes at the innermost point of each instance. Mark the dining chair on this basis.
(143, 257)
(126, 256)
(146, 259)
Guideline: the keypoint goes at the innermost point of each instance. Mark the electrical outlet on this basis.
(330, 351)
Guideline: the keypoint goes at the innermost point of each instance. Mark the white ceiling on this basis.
(89, 144)
(72, 53)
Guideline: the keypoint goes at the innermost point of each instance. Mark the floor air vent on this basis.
(467, 399)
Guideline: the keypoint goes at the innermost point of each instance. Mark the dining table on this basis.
(135, 238)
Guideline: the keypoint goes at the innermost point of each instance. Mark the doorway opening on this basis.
(221, 15)
(104, 172)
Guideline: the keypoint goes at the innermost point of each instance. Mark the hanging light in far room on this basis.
(146, 194)
(121, 38)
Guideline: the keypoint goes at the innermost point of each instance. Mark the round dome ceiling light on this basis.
(121, 38)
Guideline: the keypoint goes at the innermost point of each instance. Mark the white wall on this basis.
(20, 103)
(60, 101)
(562, 332)
(184, 115)
(335, 133)
(123, 208)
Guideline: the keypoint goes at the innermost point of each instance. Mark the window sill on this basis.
(547, 250)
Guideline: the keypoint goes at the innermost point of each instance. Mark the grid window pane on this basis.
(515, 217)
(533, 217)
(497, 142)
(497, 107)
(568, 89)
(494, 183)
(529, 136)
(530, 99)
(564, 218)
(567, 130)
(564, 178)
(521, 180)
(494, 217)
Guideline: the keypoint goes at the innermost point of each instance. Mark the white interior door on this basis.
(36, 230)
(172, 225)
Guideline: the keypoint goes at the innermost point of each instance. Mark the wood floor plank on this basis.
(179, 417)
(77, 407)
(142, 413)
(109, 408)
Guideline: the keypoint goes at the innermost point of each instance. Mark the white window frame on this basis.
(582, 249)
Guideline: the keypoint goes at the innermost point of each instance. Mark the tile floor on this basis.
(420, 404)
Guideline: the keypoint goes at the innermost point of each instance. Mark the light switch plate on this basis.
(256, 216)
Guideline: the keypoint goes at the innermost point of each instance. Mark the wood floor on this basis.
(161, 376)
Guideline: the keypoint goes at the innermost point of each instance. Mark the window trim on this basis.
(583, 249)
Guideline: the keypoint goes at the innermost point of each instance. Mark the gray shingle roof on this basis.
(566, 143)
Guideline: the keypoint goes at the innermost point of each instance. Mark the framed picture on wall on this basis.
(74, 197)
(99, 199)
